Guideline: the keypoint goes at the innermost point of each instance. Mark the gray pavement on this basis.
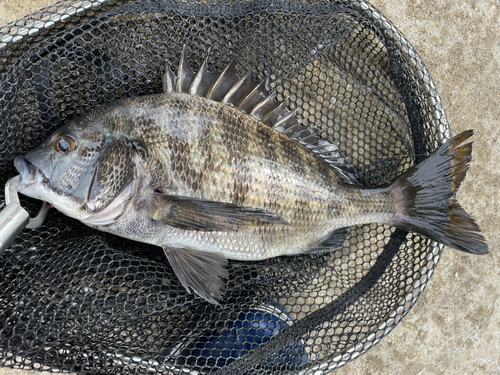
(455, 326)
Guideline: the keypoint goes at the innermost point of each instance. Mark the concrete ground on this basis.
(455, 326)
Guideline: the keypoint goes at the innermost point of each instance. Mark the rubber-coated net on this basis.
(76, 299)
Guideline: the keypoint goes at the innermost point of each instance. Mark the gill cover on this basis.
(116, 180)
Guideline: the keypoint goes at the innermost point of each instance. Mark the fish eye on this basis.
(64, 144)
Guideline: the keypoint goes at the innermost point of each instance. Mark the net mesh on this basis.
(78, 300)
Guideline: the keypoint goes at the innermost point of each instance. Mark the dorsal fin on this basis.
(184, 74)
(169, 79)
(203, 80)
(256, 100)
(241, 88)
(223, 83)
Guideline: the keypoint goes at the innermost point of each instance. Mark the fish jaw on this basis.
(33, 179)
(35, 183)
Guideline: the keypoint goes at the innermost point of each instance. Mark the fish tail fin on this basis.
(429, 190)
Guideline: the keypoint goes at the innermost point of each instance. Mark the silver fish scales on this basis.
(215, 169)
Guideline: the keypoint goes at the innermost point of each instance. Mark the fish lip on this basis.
(30, 174)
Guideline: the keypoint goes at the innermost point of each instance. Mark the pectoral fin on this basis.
(198, 214)
(199, 271)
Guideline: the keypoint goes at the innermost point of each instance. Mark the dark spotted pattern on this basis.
(192, 147)
(203, 149)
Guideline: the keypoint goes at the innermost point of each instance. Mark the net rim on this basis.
(31, 25)
(404, 305)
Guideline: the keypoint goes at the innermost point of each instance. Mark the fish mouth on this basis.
(30, 174)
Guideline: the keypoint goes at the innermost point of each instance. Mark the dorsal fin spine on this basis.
(255, 100)
(254, 97)
(196, 81)
(287, 120)
(262, 104)
(247, 79)
(169, 79)
(274, 113)
(227, 78)
(265, 106)
(185, 74)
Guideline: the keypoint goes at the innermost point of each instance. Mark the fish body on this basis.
(215, 169)
(192, 153)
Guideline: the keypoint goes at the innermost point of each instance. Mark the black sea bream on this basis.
(215, 168)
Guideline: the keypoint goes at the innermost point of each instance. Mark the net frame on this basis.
(16, 38)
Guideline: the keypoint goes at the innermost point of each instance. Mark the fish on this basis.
(216, 168)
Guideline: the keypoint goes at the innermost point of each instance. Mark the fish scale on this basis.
(215, 169)
(281, 173)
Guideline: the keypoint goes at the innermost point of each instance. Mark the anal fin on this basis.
(332, 242)
(199, 271)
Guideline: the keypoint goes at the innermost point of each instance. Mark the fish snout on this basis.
(30, 174)
(21, 166)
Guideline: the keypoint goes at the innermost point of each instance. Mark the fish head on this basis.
(81, 169)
